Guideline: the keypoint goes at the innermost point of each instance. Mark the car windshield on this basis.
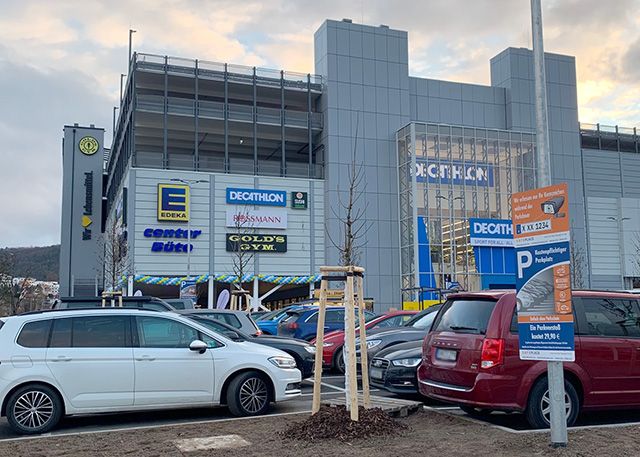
(219, 328)
(465, 316)
(411, 322)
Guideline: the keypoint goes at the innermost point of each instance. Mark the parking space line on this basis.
(144, 427)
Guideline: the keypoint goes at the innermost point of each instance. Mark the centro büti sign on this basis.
(263, 197)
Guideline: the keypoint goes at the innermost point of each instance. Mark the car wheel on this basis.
(248, 395)
(34, 409)
(478, 413)
(539, 406)
(338, 361)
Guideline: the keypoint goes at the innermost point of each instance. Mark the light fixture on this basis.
(241, 140)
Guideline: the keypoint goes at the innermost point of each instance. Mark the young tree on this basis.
(113, 253)
(241, 258)
(13, 290)
(579, 266)
(350, 211)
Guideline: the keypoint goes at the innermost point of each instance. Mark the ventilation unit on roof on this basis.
(347, 20)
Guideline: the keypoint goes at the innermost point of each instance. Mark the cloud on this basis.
(60, 63)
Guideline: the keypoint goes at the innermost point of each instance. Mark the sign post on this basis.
(543, 283)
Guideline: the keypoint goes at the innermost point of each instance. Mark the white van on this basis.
(58, 363)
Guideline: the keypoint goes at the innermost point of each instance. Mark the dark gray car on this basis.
(414, 330)
(236, 319)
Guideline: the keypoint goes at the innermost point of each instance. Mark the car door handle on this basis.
(61, 358)
(145, 358)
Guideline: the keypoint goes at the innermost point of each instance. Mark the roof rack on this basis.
(91, 308)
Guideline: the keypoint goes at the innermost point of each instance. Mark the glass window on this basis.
(157, 332)
(426, 320)
(612, 317)
(335, 316)
(35, 334)
(99, 331)
(61, 334)
(465, 316)
(227, 318)
(394, 321)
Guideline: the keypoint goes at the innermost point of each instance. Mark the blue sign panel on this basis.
(256, 197)
(456, 173)
(491, 232)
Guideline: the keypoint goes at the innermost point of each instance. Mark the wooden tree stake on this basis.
(364, 357)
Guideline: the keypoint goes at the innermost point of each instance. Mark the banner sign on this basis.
(173, 202)
(256, 243)
(491, 232)
(189, 289)
(257, 218)
(543, 280)
(456, 173)
(256, 197)
(299, 200)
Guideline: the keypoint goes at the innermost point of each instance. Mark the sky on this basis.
(60, 63)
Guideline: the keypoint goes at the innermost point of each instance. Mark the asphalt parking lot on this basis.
(332, 386)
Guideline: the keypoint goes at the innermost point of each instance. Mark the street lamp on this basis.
(188, 183)
(451, 200)
(131, 32)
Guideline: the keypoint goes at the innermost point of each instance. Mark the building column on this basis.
(130, 286)
(210, 293)
(255, 300)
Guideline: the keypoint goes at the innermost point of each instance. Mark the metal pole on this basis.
(189, 235)
(131, 32)
(115, 108)
(555, 371)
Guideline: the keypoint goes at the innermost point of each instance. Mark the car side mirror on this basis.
(197, 345)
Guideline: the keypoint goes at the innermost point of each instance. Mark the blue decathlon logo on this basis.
(256, 197)
(491, 232)
(456, 173)
(173, 202)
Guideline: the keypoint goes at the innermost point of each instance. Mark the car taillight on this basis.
(292, 326)
(258, 333)
(492, 352)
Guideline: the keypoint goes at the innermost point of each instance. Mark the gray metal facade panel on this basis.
(602, 173)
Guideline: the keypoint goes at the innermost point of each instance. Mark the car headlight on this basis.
(310, 349)
(373, 343)
(283, 362)
(328, 345)
(410, 363)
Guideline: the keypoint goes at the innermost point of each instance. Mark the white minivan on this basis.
(57, 363)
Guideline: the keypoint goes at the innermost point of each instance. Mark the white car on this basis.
(58, 363)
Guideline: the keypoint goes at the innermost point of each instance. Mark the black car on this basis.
(301, 351)
(142, 302)
(395, 368)
(414, 330)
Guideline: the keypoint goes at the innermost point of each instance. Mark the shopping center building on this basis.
(220, 150)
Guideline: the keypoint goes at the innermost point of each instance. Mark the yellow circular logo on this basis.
(88, 145)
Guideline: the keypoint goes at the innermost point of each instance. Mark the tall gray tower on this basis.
(82, 168)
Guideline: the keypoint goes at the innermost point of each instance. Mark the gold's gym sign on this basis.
(88, 145)
(256, 243)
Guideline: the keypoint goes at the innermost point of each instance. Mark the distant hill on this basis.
(38, 262)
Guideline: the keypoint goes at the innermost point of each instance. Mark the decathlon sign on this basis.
(256, 197)
(457, 173)
(491, 232)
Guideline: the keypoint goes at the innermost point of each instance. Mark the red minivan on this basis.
(470, 357)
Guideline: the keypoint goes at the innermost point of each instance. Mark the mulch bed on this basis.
(334, 423)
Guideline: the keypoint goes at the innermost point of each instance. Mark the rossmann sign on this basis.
(456, 173)
(491, 232)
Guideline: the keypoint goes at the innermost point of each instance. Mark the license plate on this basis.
(446, 354)
(376, 373)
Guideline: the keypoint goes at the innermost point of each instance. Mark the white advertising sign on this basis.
(257, 218)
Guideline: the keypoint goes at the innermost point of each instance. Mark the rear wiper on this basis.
(462, 327)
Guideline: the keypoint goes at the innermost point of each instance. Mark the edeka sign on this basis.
(543, 289)
(256, 197)
(456, 173)
(173, 202)
(256, 243)
(273, 218)
(171, 246)
(491, 232)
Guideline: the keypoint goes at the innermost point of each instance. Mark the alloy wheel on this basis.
(253, 395)
(545, 406)
(33, 409)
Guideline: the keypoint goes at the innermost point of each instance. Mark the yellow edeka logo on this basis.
(173, 202)
(88, 145)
